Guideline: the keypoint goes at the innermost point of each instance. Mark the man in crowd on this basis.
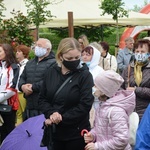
(124, 55)
(32, 76)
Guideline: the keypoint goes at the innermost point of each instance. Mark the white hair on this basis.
(48, 43)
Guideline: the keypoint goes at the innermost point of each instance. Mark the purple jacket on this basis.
(112, 132)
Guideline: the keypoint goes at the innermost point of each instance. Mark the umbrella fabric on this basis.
(26, 136)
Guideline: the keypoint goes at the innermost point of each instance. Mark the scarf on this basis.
(138, 72)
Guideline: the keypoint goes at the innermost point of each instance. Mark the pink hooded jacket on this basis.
(112, 132)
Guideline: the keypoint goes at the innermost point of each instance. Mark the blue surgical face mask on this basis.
(141, 57)
(88, 63)
(40, 51)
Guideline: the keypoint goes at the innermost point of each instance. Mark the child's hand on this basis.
(88, 137)
(90, 146)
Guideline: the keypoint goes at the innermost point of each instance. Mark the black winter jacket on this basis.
(33, 73)
(73, 102)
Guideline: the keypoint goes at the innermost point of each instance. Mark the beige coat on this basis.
(108, 63)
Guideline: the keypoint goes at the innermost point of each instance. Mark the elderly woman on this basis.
(136, 75)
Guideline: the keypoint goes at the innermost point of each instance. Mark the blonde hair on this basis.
(66, 45)
(85, 40)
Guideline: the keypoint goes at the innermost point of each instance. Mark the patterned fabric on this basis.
(138, 73)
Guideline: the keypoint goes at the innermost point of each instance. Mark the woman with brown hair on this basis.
(8, 79)
(22, 53)
(137, 75)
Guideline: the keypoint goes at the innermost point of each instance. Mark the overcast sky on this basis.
(130, 3)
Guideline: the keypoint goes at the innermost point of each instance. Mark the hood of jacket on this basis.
(124, 99)
(95, 58)
(94, 67)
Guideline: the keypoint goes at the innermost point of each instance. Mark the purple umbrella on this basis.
(26, 136)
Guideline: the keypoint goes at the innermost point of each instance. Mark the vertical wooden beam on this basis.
(70, 24)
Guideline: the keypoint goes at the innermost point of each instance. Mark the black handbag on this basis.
(48, 130)
(5, 108)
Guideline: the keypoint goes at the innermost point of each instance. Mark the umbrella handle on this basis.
(53, 127)
(84, 131)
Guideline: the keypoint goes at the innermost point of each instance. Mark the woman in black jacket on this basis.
(69, 111)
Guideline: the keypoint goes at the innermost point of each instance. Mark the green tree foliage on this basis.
(93, 33)
(114, 8)
(37, 12)
(17, 29)
(2, 8)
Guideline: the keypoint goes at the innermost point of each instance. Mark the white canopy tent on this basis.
(85, 13)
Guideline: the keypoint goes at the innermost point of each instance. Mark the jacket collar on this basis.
(127, 51)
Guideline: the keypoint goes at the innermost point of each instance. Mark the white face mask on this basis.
(141, 57)
(40, 51)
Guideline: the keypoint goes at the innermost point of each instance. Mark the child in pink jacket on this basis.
(111, 126)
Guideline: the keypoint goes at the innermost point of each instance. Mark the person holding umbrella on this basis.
(111, 126)
(69, 109)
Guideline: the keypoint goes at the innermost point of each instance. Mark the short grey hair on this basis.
(129, 39)
(48, 43)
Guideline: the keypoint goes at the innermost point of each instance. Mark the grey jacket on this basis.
(123, 59)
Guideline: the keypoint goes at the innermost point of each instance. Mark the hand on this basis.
(27, 89)
(88, 137)
(90, 146)
(56, 118)
(48, 122)
(131, 88)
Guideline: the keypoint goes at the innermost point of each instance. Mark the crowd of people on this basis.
(82, 87)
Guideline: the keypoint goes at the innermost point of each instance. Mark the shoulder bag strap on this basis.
(64, 83)
(110, 61)
(103, 62)
(8, 75)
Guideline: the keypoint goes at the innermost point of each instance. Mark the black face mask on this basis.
(71, 65)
